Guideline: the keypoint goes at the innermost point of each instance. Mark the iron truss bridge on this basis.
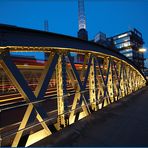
(64, 92)
(39, 98)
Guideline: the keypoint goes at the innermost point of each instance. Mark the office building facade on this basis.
(128, 44)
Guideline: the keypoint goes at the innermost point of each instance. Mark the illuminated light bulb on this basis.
(142, 50)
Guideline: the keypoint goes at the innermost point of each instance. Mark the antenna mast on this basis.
(82, 33)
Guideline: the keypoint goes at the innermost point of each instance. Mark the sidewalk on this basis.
(122, 124)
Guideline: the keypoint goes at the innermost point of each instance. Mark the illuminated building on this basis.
(128, 44)
(101, 39)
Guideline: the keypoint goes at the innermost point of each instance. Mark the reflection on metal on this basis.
(101, 80)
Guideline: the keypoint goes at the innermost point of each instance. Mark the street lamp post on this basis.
(142, 51)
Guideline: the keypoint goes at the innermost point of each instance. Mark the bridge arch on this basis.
(102, 77)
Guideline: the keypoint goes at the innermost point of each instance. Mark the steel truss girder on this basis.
(92, 85)
(61, 91)
(79, 95)
(103, 82)
(33, 110)
(106, 81)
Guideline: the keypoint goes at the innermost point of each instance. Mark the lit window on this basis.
(128, 54)
(123, 35)
(126, 51)
(126, 44)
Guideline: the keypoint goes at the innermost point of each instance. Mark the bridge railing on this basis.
(9, 135)
(80, 88)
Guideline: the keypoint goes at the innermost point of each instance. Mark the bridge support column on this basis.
(61, 90)
(110, 81)
(129, 78)
(117, 67)
(115, 80)
(92, 85)
(137, 83)
(122, 91)
(125, 80)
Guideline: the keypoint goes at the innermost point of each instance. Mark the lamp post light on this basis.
(142, 50)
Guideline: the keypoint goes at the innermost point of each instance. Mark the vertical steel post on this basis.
(92, 85)
(110, 81)
(61, 90)
(122, 92)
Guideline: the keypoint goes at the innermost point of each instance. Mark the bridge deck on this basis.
(124, 123)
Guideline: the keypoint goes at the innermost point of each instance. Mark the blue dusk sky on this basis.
(109, 16)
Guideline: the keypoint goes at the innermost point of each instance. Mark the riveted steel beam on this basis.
(46, 75)
(102, 80)
(92, 85)
(61, 90)
(19, 82)
(79, 97)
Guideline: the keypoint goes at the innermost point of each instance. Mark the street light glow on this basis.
(142, 50)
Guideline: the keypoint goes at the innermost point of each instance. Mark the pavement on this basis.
(124, 123)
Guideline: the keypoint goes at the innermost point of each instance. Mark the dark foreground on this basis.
(121, 124)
